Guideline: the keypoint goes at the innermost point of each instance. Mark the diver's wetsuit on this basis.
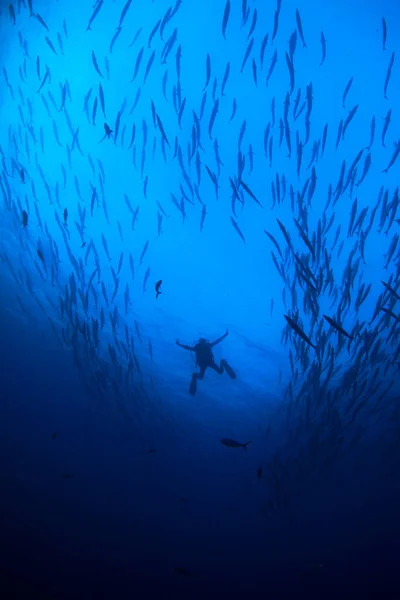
(205, 359)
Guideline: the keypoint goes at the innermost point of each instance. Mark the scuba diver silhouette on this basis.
(205, 358)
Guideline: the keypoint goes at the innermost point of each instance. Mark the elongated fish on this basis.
(225, 18)
(338, 327)
(388, 74)
(299, 331)
(234, 444)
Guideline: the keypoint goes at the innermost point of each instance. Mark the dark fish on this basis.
(114, 39)
(276, 24)
(394, 157)
(388, 74)
(237, 229)
(65, 217)
(145, 247)
(385, 126)
(300, 28)
(272, 65)
(39, 18)
(250, 193)
(259, 472)
(299, 331)
(203, 216)
(208, 71)
(226, 17)
(95, 64)
(161, 128)
(123, 12)
(391, 313)
(253, 24)
(94, 15)
(391, 290)
(291, 72)
(24, 219)
(146, 277)
(233, 443)
(102, 102)
(50, 45)
(323, 46)
(40, 255)
(157, 288)
(151, 451)
(153, 32)
(262, 50)
(212, 118)
(338, 327)
(384, 33)
(247, 54)
(148, 67)
(346, 91)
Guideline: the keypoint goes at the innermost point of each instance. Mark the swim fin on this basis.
(193, 386)
(228, 369)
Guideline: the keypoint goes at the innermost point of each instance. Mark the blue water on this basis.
(261, 207)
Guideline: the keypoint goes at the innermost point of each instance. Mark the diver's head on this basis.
(203, 341)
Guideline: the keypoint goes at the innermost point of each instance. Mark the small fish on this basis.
(300, 28)
(54, 435)
(389, 72)
(157, 288)
(226, 18)
(39, 18)
(65, 217)
(233, 443)
(236, 226)
(94, 15)
(95, 64)
(394, 157)
(259, 472)
(50, 45)
(107, 130)
(384, 33)
(151, 451)
(323, 46)
(299, 331)
(24, 219)
(40, 255)
(250, 193)
(346, 91)
(391, 290)
(208, 72)
(338, 327)
(67, 476)
(144, 251)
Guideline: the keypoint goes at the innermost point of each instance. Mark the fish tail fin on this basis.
(158, 293)
(246, 444)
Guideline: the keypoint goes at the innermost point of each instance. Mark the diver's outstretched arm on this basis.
(184, 346)
(220, 339)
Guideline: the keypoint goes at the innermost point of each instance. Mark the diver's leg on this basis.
(219, 369)
(195, 377)
(228, 369)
